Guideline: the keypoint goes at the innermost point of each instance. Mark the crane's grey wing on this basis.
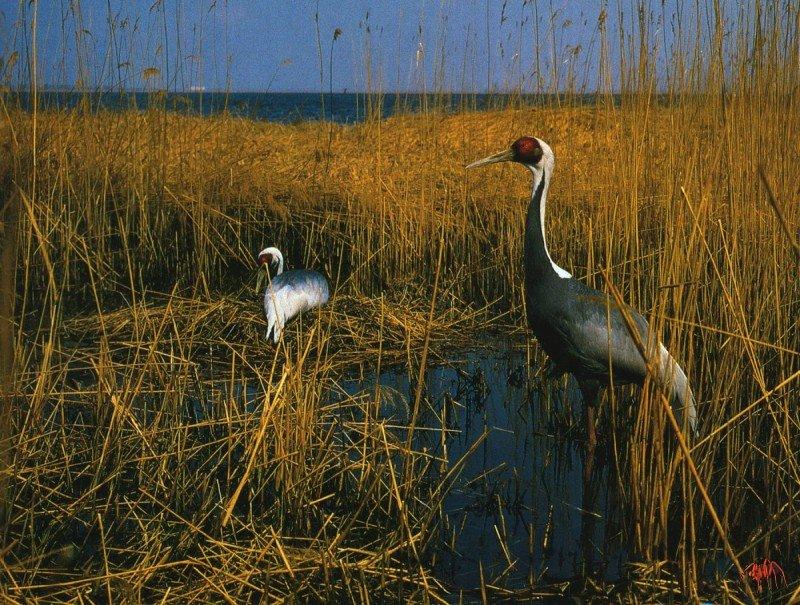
(292, 293)
(602, 340)
(675, 378)
(598, 338)
(309, 288)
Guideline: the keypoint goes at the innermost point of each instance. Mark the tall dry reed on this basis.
(139, 468)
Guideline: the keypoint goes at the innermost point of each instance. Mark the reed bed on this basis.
(161, 450)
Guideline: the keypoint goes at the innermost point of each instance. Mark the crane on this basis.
(581, 329)
(289, 294)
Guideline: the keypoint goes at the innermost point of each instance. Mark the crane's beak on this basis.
(503, 156)
(263, 276)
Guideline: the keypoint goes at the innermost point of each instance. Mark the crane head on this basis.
(525, 150)
(269, 257)
(265, 258)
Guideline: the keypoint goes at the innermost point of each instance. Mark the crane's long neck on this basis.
(539, 266)
(280, 262)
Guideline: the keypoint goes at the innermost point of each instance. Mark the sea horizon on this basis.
(291, 107)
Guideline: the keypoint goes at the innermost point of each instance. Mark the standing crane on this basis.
(581, 329)
(288, 294)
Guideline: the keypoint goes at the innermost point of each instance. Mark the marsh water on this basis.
(514, 513)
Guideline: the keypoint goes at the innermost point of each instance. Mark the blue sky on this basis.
(278, 45)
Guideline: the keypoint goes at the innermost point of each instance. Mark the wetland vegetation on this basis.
(158, 449)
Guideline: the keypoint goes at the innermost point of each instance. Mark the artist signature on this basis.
(765, 573)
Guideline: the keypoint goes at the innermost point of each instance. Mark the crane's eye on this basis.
(527, 151)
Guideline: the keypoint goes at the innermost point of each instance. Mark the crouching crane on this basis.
(581, 329)
(288, 294)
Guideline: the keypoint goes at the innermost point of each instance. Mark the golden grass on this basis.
(134, 302)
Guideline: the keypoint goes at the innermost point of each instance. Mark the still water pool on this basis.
(515, 510)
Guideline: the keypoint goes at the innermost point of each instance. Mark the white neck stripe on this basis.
(537, 177)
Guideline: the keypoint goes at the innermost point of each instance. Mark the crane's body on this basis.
(581, 329)
(585, 334)
(291, 293)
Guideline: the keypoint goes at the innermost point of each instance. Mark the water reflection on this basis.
(515, 509)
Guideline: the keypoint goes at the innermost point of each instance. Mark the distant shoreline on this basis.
(343, 108)
(67, 90)
(336, 108)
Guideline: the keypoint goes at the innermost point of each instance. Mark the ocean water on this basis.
(284, 107)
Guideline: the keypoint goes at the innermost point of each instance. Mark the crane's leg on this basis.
(589, 390)
(553, 371)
